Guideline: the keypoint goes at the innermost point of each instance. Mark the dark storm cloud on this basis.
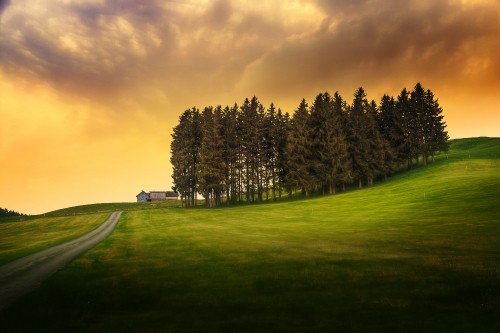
(366, 42)
(181, 47)
(140, 12)
(3, 5)
(88, 49)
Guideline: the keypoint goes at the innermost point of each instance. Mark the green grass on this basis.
(111, 207)
(18, 239)
(420, 252)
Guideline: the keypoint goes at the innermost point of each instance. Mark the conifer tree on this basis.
(380, 155)
(408, 148)
(185, 146)
(298, 151)
(357, 136)
(281, 140)
(231, 151)
(390, 124)
(436, 133)
(271, 129)
(251, 128)
(344, 168)
(418, 110)
(212, 162)
(328, 144)
(319, 128)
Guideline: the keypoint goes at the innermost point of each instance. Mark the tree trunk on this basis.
(360, 183)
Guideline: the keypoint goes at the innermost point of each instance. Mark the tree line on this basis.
(247, 153)
(4, 212)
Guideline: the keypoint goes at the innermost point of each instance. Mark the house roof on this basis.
(141, 193)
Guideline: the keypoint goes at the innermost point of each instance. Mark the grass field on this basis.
(420, 252)
(18, 239)
(111, 207)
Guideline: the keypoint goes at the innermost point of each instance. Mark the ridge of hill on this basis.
(460, 149)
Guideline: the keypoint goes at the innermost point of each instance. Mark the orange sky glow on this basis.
(91, 89)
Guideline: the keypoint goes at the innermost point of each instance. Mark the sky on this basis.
(91, 89)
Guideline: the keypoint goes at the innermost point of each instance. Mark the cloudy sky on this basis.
(90, 89)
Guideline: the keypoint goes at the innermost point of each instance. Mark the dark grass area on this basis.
(418, 253)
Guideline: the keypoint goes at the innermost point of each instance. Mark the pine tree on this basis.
(271, 149)
(185, 146)
(436, 134)
(408, 148)
(328, 144)
(380, 155)
(298, 151)
(390, 124)
(344, 168)
(319, 128)
(357, 136)
(231, 152)
(418, 109)
(281, 140)
(212, 163)
(251, 130)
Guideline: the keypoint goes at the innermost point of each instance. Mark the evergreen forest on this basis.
(4, 212)
(249, 153)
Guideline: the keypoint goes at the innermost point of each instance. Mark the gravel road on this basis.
(21, 276)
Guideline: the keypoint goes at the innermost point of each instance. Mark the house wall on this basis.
(157, 196)
(143, 197)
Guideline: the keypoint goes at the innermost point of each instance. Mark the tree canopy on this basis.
(250, 153)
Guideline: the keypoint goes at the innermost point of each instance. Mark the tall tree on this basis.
(185, 146)
(357, 136)
(380, 157)
(418, 109)
(251, 131)
(281, 140)
(390, 124)
(409, 147)
(328, 144)
(344, 168)
(231, 141)
(436, 134)
(212, 163)
(298, 151)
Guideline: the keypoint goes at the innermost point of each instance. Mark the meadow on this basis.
(18, 239)
(419, 252)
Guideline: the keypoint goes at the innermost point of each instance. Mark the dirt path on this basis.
(21, 276)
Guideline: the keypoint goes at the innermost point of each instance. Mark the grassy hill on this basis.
(418, 252)
(111, 207)
(18, 239)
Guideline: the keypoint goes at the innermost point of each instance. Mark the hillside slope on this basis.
(418, 252)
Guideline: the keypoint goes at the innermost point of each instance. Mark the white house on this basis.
(157, 196)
